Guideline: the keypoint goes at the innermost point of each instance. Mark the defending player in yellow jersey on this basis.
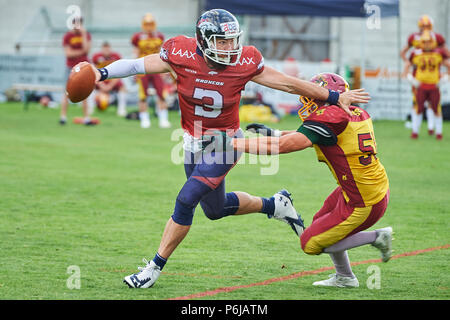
(426, 62)
(146, 42)
(346, 143)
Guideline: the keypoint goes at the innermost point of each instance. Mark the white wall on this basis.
(382, 47)
(14, 15)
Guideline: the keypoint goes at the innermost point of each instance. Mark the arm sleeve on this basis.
(318, 133)
(125, 67)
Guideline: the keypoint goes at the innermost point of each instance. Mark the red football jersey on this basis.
(75, 40)
(209, 98)
(101, 61)
(414, 39)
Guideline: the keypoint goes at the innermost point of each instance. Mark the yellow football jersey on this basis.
(352, 157)
(427, 65)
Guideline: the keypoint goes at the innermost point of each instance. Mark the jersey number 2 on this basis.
(215, 107)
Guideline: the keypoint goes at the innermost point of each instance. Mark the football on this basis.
(81, 83)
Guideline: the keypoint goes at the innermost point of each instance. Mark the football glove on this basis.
(218, 141)
(263, 129)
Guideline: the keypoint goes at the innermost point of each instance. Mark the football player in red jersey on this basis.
(212, 70)
(77, 44)
(147, 42)
(101, 59)
(426, 77)
(425, 23)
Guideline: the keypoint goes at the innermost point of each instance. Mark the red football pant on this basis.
(337, 220)
(143, 82)
(428, 93)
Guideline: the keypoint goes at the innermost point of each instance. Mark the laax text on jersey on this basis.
(188, 54)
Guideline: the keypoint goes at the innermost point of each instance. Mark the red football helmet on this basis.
(327, 80)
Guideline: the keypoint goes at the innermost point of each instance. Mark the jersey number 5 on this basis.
(367, 144)
(215, 107)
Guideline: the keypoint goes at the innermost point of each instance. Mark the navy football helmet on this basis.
(218, 24)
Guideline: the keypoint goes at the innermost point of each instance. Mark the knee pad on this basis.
(183, 214)
(187, 200)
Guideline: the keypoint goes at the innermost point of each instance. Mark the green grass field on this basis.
(98, 198)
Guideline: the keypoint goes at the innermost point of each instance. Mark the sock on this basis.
(159, 261)
(438, 120)
(86, 119)
(121, 103)
(268, 206)
(416, 121)
(430, 119)
(342, 264)
(64, 118)
(356, 240)
(163, 115)
(144, 116)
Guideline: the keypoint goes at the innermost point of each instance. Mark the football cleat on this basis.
(146, 278)
(62, 121)
(164, 124)
(285, 211)
(383, 242)
(335, 280)
(145, 124)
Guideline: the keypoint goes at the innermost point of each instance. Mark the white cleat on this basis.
(165, 124)
(121, 113)
(145, 278)
(145, 124)
(335, 280)
(383, 242)
(285, 211)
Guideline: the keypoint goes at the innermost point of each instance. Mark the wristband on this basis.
(333, 97)
(276, 133)
(103, 74)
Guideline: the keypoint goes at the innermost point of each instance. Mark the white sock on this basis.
(438, 120)
(430, 119)
(91, 103)
(122, 103)
(342, 264)
(144, 116)
(163, 115)
(416, 120)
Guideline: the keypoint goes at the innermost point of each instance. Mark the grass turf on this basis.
(99, 197)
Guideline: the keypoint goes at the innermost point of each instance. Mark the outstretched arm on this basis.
(129, 67)
(272, 78)
(291, 142)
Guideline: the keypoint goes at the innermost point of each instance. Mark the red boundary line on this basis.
(299, 275)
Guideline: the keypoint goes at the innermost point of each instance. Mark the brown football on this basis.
(81, 83)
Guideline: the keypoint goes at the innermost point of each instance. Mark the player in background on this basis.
(146, 42)
(76, 44)
(426, 63)
(212, 71)
(346, 143)
(101, 59)
(425, 23)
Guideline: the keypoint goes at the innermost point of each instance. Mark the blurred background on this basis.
(360, 40)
